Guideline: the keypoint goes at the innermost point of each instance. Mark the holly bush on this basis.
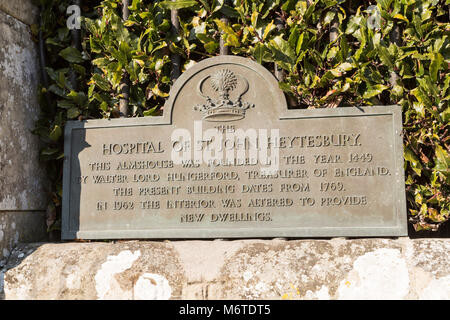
(333, 53)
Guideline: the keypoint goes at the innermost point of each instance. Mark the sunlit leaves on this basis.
(374, 91)
(365, 65)
(177, 4)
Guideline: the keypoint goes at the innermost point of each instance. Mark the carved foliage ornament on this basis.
(223, 109)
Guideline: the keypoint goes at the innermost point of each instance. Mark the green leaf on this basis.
(163, 44)
(232, 40)
(374, 90)
(336, 72)
(159, 64)
(288, 5)
(150, 112)
(91, 91)
(422, 97)
(229, 11)
(254, 18)
(55, 133)
(134, 5)
(299, 45)
(100, 82)
(230, 36)
(353, 24)
(79, 97)
(268, 6)
(385, 4)
(211, 46)
(332, 52)
(57, 90)
(224, 26)
(52, 73)
(445, 115)
(206, 5)
(345, 66)
(49, 151)
(104, 106)
(125, 50)
(329, 17)
(285, 87)
(268, 29)
(73, 113)
(282, 50)
(418, 198)
(72, 55)
(158, 92)
(61, 80)
(385, 57)
(327, 76)
(413, 160)
(65, 104)
(442, 159)
(428, 87)
(177, 4)
(435, 65)
(79, 69)
(400, 17)
(259, 51)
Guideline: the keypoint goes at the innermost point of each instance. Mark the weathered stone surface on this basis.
(21, 175)
(20, 227)
(128, 270)
(22, 10)
(22, 182)
(241, 269)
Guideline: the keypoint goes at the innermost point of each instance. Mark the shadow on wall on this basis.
(72, 185)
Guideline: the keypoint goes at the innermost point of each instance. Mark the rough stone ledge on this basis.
(238, 269)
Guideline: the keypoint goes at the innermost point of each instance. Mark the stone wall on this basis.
(238, 269)
(22, 179)
(22, 10)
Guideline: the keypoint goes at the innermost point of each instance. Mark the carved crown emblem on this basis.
(223, 82)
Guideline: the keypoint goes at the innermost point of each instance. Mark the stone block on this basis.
(239, 269)
(19, 227)
(22, 178)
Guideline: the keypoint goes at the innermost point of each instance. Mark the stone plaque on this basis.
(228, 159)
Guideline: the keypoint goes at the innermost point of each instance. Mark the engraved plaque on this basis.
(228, 159)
